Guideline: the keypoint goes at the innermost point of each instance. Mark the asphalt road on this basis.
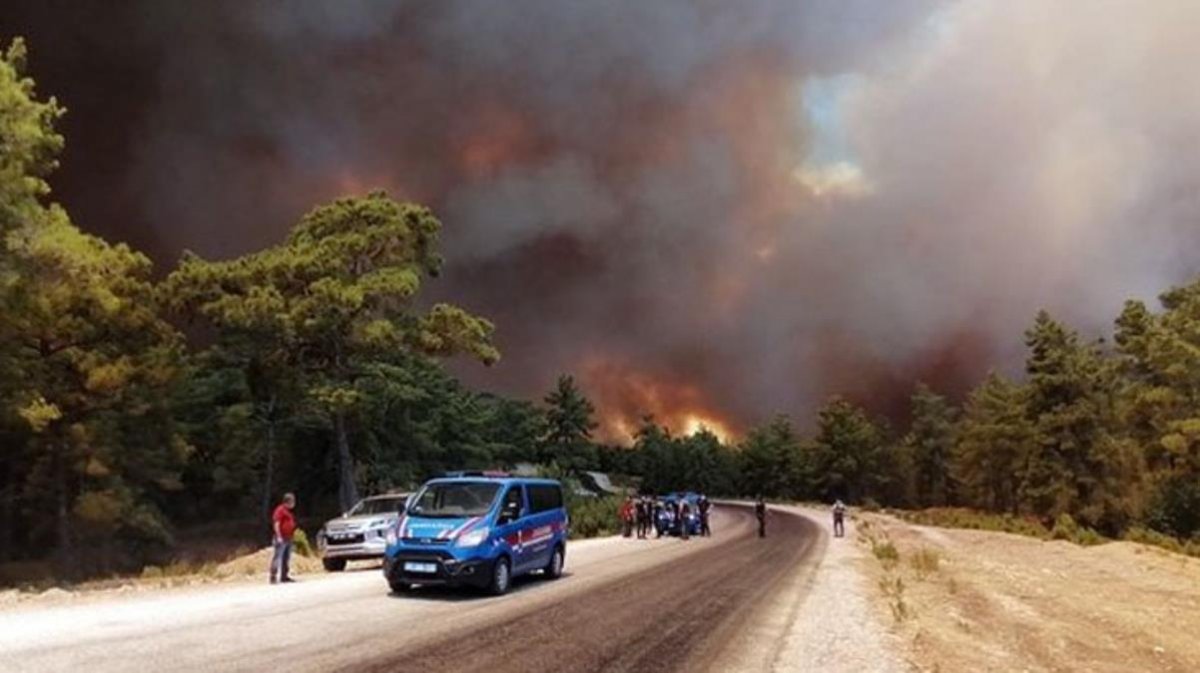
(624, 605)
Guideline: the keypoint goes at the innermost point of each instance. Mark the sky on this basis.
(708, 212)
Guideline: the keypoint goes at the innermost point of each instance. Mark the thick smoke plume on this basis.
(708, 210)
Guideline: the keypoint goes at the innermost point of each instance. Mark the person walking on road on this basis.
(839, 519)
(705, 508)
(760, 512)
(643, 517)
(283, 525)
(685, 509)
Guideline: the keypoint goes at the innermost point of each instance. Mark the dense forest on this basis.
(134, 404)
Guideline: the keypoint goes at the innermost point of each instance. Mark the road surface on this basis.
(624, 605)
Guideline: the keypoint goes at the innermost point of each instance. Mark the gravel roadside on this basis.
(823, 618)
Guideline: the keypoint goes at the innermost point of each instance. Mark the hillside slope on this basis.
(966, 600)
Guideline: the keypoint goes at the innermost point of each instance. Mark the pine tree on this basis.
(995, 442)
(86, 357)
(1077, 465)
(1160, 360)
(770, 461)
(567, 439)
(332, 302)
(846, 453)
(931, 440)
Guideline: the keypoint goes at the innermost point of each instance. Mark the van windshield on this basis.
(454, 499)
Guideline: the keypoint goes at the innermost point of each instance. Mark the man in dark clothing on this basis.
(685, 509)
(283, 525)
(643, 518)
(760, 512)
(705, 507)
(839, 519)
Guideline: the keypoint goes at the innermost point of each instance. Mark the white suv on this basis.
(363, 532)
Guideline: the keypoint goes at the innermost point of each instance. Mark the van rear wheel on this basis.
(334, 565)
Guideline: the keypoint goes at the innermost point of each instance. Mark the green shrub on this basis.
(955, 517)
(1065, 528)
(1192, 548)
(594, 517)
(1154, 538)
(301, 544)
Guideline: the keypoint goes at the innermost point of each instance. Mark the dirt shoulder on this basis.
(834, 627)
(963, 600)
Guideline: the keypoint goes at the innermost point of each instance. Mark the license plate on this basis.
(420, 567)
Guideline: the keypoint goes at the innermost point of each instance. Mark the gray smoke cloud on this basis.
(706, 210)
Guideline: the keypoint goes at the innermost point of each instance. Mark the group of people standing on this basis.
(640, 516)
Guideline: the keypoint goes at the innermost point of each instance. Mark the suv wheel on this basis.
(555, 569)
(334, 565)
(501, 577)
(399, 587)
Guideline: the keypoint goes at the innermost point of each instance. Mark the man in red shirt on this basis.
(284, 524)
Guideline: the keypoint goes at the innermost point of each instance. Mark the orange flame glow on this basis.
(626, 396)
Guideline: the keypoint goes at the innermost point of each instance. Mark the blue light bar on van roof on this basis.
(490, 474)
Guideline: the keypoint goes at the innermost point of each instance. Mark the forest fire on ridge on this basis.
(627, 398)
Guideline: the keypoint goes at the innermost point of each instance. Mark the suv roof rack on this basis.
(490, 474)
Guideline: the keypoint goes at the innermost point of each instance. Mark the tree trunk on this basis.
(270, 467)
(347, 491)
(7, 495)
(62, 523)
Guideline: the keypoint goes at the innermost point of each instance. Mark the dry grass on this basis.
(925, 562)
(984, 601)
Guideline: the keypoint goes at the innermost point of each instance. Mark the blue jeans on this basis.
(281, 558)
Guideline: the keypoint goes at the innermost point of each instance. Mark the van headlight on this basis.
(390, 537)
(473, 538)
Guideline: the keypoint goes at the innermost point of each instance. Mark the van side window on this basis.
(545, 497)
(513, 499)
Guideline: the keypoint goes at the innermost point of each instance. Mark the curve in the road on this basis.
(677, 616)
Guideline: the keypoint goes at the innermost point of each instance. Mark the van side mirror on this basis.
(510, 513)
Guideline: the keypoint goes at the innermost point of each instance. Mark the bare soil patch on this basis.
(964, 600)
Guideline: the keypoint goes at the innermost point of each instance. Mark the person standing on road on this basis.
(659, 515)
(641, 518)
(705, 507)
(627, 517)
(685, 510)
(839, 519)
(760, 512)
(283, 524)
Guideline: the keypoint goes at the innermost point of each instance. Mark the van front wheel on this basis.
(501, 577)
(555, 569)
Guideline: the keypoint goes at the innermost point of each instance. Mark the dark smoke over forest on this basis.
(706, 210)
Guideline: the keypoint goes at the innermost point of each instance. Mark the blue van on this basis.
(480, 530)
(667, 524)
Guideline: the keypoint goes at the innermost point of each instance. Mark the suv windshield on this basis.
(455, 499)
(378, 506)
